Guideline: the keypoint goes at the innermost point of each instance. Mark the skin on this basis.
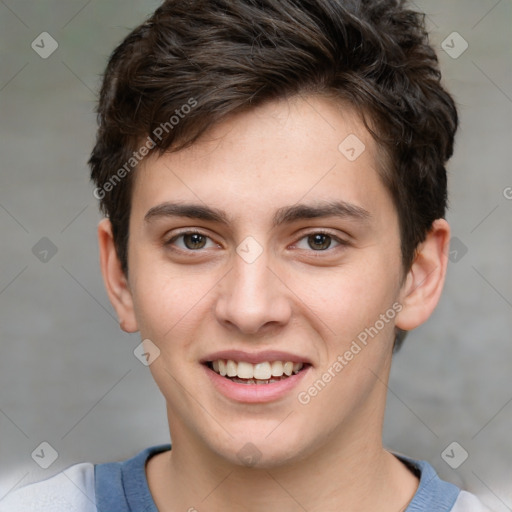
(300, 296)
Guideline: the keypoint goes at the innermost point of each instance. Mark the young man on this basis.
(273, 178)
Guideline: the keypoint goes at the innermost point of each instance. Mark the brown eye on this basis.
(190, 241)
(319, 241)
(194, 241)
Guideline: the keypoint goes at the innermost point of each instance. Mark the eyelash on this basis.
(340, 241)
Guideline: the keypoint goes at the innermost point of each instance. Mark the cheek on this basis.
(354, 297)
(167, 300)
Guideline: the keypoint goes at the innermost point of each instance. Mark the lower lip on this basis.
(254, 393)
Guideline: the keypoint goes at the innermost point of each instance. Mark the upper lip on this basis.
(255, 357)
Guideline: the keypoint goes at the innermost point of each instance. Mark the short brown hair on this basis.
(219, 57)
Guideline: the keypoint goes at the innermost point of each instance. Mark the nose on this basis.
(253, 297)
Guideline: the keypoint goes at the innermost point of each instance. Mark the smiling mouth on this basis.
(266, 372)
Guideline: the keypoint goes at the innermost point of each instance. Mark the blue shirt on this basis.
(123, 487)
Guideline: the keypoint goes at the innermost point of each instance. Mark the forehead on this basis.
(284, 152)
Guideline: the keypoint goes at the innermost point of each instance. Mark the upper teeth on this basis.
(263, 371)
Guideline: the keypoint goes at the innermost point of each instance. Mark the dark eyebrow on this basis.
(325, 209)
(193, 211)
(286, 214)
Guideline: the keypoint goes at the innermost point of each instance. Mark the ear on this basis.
(116, 283)
(424, 283)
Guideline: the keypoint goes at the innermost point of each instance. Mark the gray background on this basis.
(68, 375)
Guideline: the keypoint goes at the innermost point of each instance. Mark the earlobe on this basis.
(116, 283)
(424, 283)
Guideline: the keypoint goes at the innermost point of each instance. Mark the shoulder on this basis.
(467, 502)
(436, 494)
(87, 487)
(71, 490)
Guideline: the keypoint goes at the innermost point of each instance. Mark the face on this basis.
(268, 243)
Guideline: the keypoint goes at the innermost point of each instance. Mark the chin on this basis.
(262, 452)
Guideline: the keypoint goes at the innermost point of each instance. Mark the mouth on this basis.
(267, 372)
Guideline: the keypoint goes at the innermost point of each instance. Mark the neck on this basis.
(349, 469)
